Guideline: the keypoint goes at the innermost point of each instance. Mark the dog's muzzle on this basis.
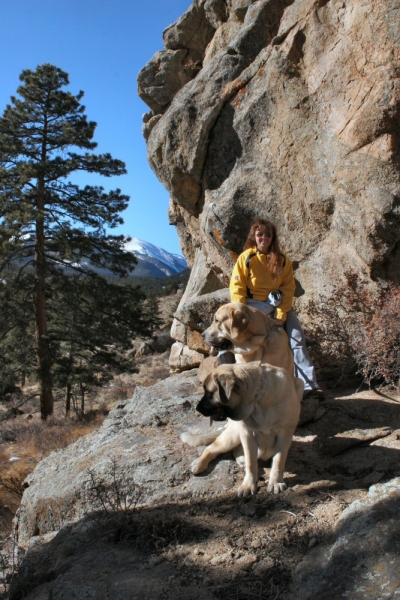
(218, 344)
(216, 412)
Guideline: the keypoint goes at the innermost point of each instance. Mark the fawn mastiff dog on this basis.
(262, 405)
(253, 335)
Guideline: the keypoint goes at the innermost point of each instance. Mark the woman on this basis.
(263, 278)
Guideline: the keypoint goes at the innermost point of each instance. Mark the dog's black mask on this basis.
(209, 407)
(223, 344)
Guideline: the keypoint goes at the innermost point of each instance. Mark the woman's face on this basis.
(263, 237)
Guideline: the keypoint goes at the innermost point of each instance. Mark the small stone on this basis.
(262, 567)
(349, 439)
(221, 558)
(373, 477)
(155, 560)
(246, 561)
(249, 510)
(312, 542)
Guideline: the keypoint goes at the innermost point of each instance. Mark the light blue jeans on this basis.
(304, 369)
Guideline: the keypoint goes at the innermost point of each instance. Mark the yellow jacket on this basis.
(256, 280)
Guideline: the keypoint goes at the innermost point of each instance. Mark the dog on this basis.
(253, 335)
(262, 405)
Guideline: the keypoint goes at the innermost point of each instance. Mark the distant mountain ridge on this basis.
(154, 261)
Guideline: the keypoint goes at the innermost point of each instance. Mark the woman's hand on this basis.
(279, 322)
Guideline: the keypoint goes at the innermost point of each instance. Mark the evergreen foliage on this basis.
(158, 287)
(64, 322)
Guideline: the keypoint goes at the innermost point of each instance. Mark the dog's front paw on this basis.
(247, 488)
(198, 466)
(276, 487)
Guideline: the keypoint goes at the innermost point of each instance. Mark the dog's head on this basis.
(224, 396)
(230, 324)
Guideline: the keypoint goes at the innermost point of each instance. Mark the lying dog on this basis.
(254, 336)
(262, 405)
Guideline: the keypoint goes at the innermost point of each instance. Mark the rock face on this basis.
(288, 109)
(364, 559)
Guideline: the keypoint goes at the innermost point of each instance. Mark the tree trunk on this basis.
(82, 399)
(68, 400)
(42, 341)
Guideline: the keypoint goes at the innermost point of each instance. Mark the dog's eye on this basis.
(236, 388)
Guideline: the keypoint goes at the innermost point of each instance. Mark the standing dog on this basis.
(262, 405)
(254, 336)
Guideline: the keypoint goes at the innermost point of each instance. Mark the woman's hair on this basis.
(274, 254)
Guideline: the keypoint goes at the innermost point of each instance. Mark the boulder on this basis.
(183, 358)
(292, 116)
(143, 439)
(162, 78)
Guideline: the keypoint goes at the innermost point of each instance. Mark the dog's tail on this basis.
(299, 385)
(200, 439)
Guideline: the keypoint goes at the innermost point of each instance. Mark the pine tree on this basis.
(91, 334)
(52, 231)
(16, 337)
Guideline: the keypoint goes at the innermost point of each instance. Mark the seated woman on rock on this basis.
(263, 278)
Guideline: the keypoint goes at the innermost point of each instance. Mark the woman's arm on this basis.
(238, 284)
(287, 289)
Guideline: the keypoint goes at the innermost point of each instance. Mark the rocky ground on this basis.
(209, 544)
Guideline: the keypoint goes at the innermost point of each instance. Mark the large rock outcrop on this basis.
(287, 109)
(191, 537)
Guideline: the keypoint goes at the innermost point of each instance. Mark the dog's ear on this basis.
(238, 322)
(226, 385)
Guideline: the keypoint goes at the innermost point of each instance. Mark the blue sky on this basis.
(102, 45)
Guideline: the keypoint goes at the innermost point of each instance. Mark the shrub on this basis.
(378, 348)
(359, 327)
(111, 498)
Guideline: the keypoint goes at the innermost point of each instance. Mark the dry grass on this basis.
(152, 368)
(25, 442)
(34, 439)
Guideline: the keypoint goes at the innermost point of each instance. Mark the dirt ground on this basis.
(244, 548)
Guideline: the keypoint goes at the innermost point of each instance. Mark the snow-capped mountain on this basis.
(155, 261)
(152, 260)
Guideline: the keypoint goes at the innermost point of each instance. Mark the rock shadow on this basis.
(224, 149)
(189, 550)
(354, 444)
